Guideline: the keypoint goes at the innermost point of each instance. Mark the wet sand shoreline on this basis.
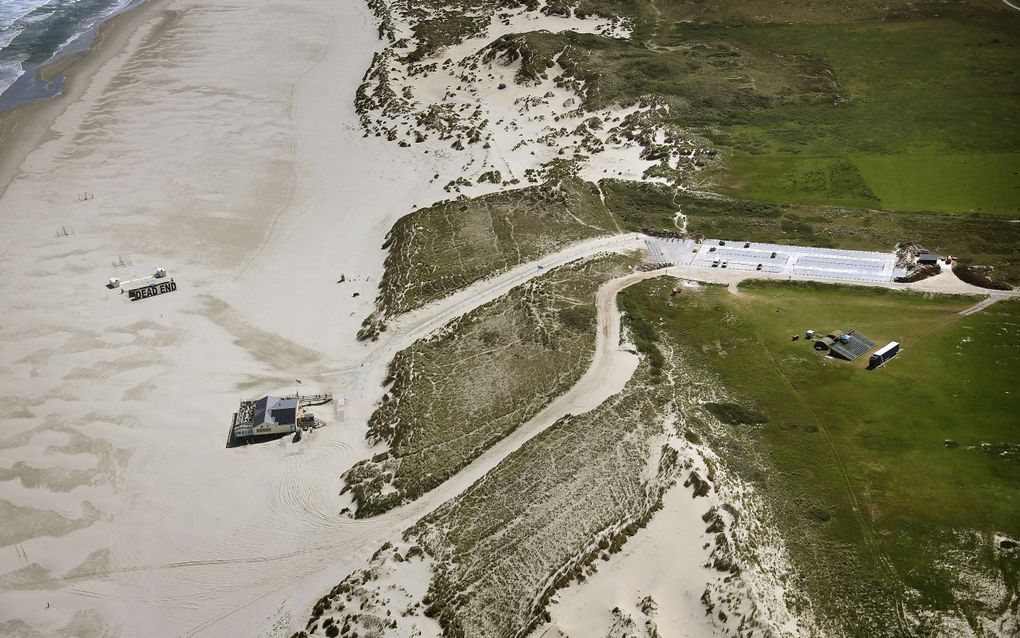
(23, 126)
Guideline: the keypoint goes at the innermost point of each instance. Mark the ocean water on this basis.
(32, 32)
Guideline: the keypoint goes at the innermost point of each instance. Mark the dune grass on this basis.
(456, 394)
(539, 520)
(438, 250)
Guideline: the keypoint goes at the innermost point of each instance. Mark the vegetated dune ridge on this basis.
(485, 374)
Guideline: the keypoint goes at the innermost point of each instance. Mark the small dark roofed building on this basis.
(828, 340)
(845, 345)
(927, 259)
(852, 345)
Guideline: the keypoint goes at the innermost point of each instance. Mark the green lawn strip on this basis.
(984, 183)
(920, 500)
(456, 394)
(804, 180)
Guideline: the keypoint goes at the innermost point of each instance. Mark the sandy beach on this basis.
(195, 140)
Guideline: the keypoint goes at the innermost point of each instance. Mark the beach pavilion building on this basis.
(265, 417)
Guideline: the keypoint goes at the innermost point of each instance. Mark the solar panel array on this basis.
(853, 348)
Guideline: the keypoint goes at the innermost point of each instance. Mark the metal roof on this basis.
(887, 347)
(275, 411)
(854, 347)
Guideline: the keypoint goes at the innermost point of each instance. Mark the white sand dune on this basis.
(663, 562)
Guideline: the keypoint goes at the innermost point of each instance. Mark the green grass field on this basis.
(975, 183)
(922, 121)
(903, 108)
(819, 180)
(856, 461)
(987, 183)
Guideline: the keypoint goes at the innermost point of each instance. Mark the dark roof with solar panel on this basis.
(853, 347)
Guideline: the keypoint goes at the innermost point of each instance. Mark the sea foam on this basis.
(32, 32)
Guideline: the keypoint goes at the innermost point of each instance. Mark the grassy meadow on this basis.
(975, 183)
(890, 484)
(921, 117)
